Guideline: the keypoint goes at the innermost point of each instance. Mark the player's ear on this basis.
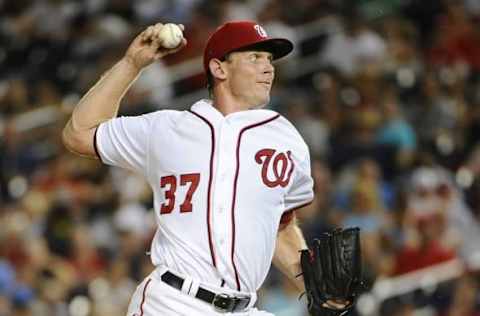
(217, 69)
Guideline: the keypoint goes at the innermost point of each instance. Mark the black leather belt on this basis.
(224, 303)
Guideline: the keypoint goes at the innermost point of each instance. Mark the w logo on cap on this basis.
(260, 30)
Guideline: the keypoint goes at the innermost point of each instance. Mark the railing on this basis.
(426, 279)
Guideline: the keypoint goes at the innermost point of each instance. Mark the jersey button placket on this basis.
(229, 158)
(222, 221)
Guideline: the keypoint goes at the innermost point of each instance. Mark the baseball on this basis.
(170, 35)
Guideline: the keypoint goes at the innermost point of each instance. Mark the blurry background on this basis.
(385, 92)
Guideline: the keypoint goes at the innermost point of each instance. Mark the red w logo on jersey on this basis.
(279, 165)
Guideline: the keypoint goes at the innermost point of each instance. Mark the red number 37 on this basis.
(192, 179)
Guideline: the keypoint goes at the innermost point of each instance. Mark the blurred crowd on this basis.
(386, 93)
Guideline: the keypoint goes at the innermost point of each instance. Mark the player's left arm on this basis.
(290, 238)
(286, 257)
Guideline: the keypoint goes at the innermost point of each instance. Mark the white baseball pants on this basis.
(153, 297)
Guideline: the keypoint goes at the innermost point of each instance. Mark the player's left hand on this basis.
(332, 272)
(336, 304)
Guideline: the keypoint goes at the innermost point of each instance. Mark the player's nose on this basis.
(269, 70)
(269, 67)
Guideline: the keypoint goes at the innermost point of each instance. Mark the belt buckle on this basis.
(223, 303)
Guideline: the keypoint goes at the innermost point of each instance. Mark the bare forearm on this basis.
(287, 257)
(102, 101)
(99, 104)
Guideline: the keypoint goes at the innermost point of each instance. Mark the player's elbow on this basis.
(79, 142)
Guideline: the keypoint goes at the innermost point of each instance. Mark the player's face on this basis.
(250, 77)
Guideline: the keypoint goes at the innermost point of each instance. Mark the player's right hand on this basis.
(146, 48)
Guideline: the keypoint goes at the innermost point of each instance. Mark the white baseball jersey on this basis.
(220, 185)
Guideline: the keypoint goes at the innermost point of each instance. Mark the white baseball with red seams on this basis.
(171, 35)
(220, 184)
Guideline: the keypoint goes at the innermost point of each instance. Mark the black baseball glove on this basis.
(331, 271)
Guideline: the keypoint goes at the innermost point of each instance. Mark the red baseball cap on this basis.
(238, 35)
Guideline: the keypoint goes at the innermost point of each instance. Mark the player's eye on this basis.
(256, 57)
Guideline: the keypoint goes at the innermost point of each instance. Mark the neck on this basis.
(226, 103)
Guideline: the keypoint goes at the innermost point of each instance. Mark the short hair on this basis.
(210, 82)
(211, 79)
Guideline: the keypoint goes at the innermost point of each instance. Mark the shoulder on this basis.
(163, 117)
(290, 137)
(287, 125)
(291, 132)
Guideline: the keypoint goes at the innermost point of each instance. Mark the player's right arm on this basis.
(102, 101)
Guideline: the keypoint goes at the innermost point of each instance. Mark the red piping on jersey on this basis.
(212, 153)
(235, 189)
(143, 296)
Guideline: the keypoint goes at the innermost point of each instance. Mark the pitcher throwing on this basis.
(226, 174)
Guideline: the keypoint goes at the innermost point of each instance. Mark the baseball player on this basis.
(226, 174)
